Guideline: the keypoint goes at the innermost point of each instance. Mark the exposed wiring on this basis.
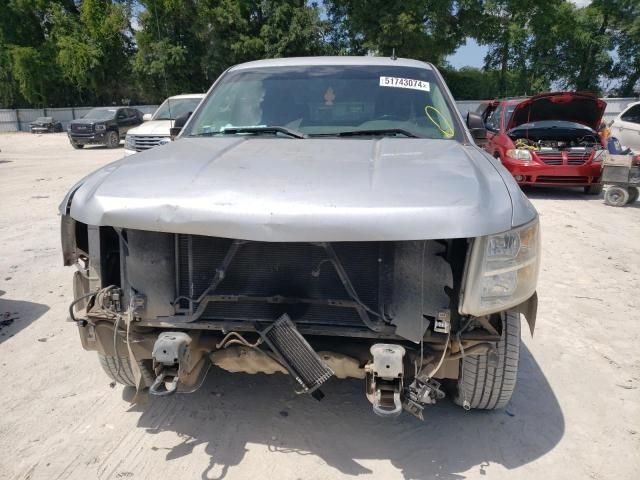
(424, 247)
(444, 353)
(204, 376)
(82, 322)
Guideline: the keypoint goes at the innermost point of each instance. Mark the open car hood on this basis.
(270, 189)
(583, 108)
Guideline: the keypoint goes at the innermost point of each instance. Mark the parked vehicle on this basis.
(626, 127)
(155, 130)
(45, 125)
(550, 139)
(319, 216)
(103, 126)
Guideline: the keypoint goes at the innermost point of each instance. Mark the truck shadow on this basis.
(16, 315)
(231, 411)
(559, 193)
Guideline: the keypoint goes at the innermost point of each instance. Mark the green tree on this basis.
(626, 38)
(519, 35)
(423, 29)
(94, 48)
(183, 45)
(584, 44)
(26, 58)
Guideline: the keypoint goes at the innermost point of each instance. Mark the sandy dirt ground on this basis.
(575, 413)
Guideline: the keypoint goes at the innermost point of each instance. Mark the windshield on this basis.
(329, 100)
(173, 108)
(101, 113)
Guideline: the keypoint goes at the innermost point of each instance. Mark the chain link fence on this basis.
(20, 119)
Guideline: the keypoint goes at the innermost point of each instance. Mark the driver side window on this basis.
(492, 121)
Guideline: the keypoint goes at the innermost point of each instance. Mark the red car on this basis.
(550, 139)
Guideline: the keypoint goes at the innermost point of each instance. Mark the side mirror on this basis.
(178, 123)
(146, 117)
(477, 128)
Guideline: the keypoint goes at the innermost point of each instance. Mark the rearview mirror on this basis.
(476, 128)
(178, 123)
(146, 117)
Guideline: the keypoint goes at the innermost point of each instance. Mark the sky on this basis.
(469, 55)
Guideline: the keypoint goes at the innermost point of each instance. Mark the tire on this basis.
(633, 194)
(593, 189)
(124, 375)
(77, 146)
(490, 387)
(113, 139)
(616, 196)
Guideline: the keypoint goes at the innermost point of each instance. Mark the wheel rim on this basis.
(617, 196)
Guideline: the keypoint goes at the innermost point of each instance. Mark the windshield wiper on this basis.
(377, 132)
(258, 130)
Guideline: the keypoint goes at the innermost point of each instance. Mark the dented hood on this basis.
(276, 189)
(583, 108)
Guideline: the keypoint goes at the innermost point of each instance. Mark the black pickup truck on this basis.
(103, 126)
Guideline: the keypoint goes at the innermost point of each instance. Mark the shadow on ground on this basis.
(230, 411)
(16, 315)
(557, 193)
(560, 193)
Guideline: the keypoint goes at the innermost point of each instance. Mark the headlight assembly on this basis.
(100, 127)
(129, 143)
(519, 154)
(502, 271)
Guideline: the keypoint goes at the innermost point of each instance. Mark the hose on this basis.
(444, 353)
(82, 322)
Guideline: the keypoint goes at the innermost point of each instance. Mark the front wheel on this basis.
(489, 385)
(616, 196)
(593, 189)
(113, 139)
(119, 369)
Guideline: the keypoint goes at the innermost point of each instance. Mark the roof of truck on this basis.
(319, 61)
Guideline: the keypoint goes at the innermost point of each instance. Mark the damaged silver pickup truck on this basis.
(315, 217)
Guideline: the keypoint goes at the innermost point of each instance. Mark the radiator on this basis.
(299, 270)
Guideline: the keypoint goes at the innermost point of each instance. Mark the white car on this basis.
(155, 130)
(626, 127)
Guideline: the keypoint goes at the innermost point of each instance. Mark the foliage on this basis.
(82, 52)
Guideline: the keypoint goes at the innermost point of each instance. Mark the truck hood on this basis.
(152, 127)
(583, 108)
(275, 189)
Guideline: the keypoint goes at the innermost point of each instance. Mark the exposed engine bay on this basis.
(555, 135)
(378, 311)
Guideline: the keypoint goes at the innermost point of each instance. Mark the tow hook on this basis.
(170, 356)
(164, 384)
(384, 377)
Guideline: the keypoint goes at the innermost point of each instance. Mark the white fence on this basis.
(19, 120)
